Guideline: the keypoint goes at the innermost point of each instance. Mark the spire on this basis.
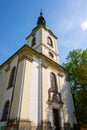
(41, 12)
(41, 19)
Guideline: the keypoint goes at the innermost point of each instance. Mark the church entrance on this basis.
(56, 119)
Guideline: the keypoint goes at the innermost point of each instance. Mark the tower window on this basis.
(11, 80)
(53, 82)
(5, 111)
(49, 41)
(51, 55)
(33, 42)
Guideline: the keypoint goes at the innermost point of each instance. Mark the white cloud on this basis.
(84, 25)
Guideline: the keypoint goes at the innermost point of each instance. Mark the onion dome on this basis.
(41, 19)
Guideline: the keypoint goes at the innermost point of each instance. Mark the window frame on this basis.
(5, 111)
(53, 82)
(33, 42)
(51, 55)
(49, 42)
(12, 77)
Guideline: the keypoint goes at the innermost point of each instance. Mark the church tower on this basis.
(34, 88)
(43, 40)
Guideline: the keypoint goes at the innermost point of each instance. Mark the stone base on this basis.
(47, 126)
(62, 128)
(27, 125)
(67, 126)
(9, 128)
(24, 125)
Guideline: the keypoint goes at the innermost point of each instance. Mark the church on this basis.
(35, 91)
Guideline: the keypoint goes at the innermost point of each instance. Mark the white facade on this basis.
(32, 101)
(41, 42)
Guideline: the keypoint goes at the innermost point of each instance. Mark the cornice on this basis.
(8, 67)
(37, 28)
(52, 64)
(41, 44)
(60, 74)
(44, 65)
(28, 53)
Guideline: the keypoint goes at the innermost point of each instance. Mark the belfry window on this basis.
(49, 41)
(11, 80)
(53, 82)
(5, 111)
(33, 42)
(51, 55)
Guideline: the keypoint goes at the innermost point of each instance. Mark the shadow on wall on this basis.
(66, 96)
(46, 126)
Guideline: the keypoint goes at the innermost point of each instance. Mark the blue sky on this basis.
(66, 18)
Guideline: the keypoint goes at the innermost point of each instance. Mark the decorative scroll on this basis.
(26, 56)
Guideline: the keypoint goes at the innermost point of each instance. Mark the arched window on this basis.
(51, 55)
(49, 41)
(33, 42)
(5, 111)
(11, 80)
(53, 82)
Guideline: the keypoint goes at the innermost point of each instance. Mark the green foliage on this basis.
(77, 66)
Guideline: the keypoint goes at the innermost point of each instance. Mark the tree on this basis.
(76, 64)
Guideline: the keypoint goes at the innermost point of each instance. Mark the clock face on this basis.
(49, 41)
